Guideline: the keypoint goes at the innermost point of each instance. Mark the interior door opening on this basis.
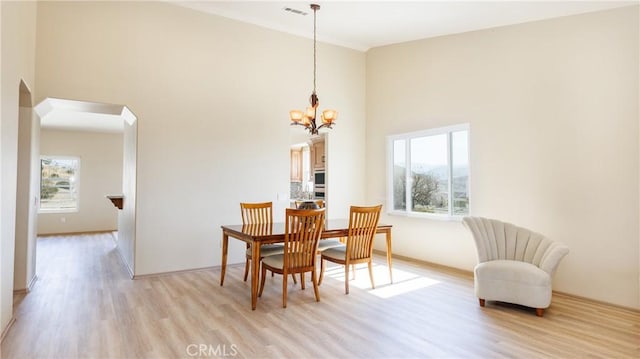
(86, 132)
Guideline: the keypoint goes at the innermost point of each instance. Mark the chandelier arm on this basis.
(327, 125)
(313, 129)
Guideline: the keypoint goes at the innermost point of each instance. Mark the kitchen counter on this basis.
(292, 202)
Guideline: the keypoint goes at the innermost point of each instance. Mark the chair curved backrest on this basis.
(363, 223)
(302, 232)
(497, 240)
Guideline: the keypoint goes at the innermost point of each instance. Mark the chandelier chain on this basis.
(314, 50)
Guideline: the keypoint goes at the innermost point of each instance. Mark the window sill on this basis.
(54, 211)
(437, 217)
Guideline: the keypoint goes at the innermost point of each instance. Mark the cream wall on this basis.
(553, 110)
(345, 143)
(27, 194)
(18, 62)
(212, 97)
(100, 175)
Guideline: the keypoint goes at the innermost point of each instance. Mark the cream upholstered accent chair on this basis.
(515, 265)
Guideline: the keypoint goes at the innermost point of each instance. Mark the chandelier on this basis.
(308, 118)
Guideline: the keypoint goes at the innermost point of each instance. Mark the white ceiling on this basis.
(362, 25)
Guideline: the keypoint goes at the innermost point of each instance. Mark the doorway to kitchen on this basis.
(308, 170)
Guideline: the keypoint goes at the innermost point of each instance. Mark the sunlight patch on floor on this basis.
(403, 287)
(403, 281)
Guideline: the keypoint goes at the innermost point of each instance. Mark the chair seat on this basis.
(325, 244)
(268, 250)
(513, 282)
(274, 261)
(338, 253)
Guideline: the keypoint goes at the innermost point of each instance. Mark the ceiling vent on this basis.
(296, 11)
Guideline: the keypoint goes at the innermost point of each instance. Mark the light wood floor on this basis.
(84, 305)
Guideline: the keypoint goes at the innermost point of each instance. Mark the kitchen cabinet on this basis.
(317, 155)
(296, 165)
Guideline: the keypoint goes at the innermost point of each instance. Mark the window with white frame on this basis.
(428, 172)
(59, 183)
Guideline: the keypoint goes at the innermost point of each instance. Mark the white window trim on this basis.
(77, 187)
(407, 138)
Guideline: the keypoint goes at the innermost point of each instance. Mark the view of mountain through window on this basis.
(430, 171)
(59, 183)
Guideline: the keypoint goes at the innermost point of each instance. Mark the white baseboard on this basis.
(7, 328)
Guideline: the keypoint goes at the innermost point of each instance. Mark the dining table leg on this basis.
(255, 273)
(225, 248)
(389, 254)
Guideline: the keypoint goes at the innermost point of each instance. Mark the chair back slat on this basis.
(363, 222)
(302, 233)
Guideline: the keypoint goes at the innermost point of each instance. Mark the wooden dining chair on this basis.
(258, 217)
(363, 222)
(323, 244)
(303, 229)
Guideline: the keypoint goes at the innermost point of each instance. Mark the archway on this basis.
(72, 114)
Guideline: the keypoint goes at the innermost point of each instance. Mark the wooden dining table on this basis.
(258, 234)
